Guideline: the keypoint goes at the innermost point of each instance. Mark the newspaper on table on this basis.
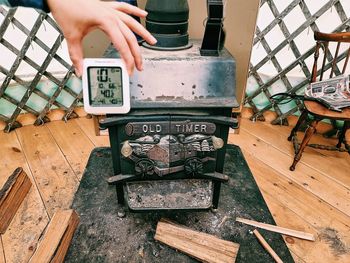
(333, 93)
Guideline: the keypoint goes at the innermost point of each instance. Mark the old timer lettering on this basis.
(152, 128)
(172, 127)
(190, 128)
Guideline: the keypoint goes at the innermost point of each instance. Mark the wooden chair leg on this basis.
(308, 134)
(301, 119)
(342, 133)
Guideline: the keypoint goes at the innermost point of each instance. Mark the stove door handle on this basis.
(229, 121)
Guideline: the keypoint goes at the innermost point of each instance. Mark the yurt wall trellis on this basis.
(29, 97)
(292, 38)
(261, 89)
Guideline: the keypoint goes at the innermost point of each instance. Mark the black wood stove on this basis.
(169, 150)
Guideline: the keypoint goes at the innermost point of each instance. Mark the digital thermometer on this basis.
(106, 88)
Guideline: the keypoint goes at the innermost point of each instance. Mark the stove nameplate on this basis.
(174, 127)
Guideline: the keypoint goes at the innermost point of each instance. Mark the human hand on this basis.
(77, 18)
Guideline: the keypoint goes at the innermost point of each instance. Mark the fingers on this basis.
(137, 28)
(120, 28)
(133, 45)
(114, 19)
(76, 55)
(127, 8)
(120, 43)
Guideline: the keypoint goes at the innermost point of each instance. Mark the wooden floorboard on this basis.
(294, 207)
(73, 142)
(333, 162)
(55, 178)
(2, 256)
(327, 189)
(21, 238)
(314, 198)
(87, 125)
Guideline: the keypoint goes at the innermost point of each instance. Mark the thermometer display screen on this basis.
(106, 86)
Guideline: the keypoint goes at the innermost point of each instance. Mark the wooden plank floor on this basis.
(314, 198)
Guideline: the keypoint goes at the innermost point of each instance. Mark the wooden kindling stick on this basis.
(267, 246)
(277, 229)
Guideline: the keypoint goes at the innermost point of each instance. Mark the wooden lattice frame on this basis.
(11, 122)
(299, 58)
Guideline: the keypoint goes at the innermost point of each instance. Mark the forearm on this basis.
(39, 4)
(42, 4)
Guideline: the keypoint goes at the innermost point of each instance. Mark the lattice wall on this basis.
(30, 97)
(294, 34)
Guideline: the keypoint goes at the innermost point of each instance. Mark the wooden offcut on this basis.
(12, 195)
(267, 246)
(56, 240)
(277, 229)
(202, 246)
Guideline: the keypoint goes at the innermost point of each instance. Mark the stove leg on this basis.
(220, 162)
(216, 194)
(115, 143)
(120, 194)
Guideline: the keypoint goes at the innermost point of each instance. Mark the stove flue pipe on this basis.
(167, 20)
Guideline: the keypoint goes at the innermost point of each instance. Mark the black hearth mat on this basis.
(105, 234)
